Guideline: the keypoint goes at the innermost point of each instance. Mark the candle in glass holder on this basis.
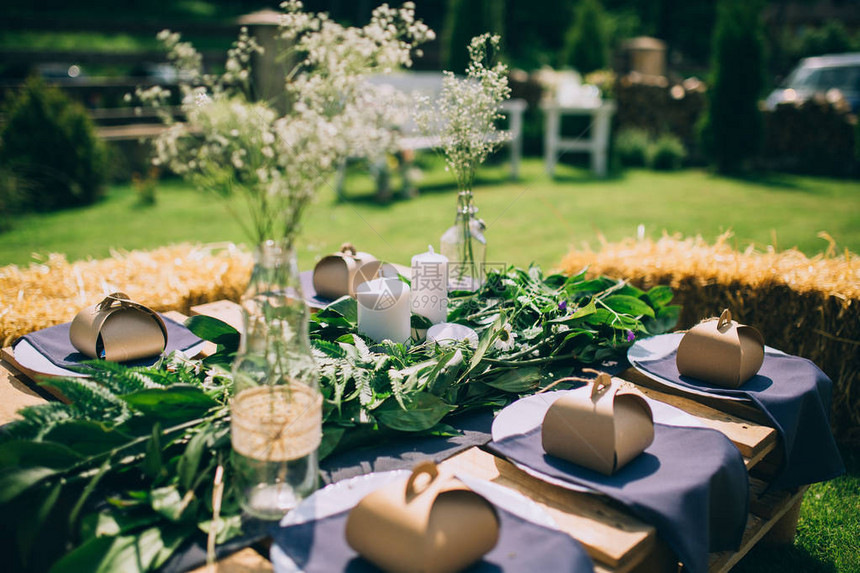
(430, 285)
(383, 309)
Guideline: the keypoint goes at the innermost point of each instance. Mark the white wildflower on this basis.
(505, 339)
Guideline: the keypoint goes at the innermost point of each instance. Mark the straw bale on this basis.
(807, 306)
(169, 278)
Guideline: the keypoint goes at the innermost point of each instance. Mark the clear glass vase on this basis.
(276, 412)
(465, 246)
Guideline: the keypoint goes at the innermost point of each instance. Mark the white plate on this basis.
(527, 414)
(662, 345)
(345, 494)
(28, 357)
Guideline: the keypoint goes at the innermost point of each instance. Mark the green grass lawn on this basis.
(533, 219)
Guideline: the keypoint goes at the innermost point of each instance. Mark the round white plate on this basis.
(345, 494)
(28, 357)
(527, 414)
(662, 345)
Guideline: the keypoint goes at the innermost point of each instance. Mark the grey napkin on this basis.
(54, 344)
(690, 483)
(795, 396)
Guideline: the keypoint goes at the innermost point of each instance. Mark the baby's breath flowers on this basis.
(232, 143)
(463, 118)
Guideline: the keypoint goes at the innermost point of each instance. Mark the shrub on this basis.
(631, 147)
(587, 46)
(732, 129)
(667, 153)
(50, 141)
(464, 20)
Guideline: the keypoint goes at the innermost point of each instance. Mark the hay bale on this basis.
(169, 278)
(805, 306)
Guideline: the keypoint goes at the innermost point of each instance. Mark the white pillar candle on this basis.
(451, 332)
(430, 285)
(383, 309)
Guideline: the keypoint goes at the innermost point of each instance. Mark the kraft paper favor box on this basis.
(338, 274)
(118, 329)
(721, 351)
(602, 426)
(428, 523)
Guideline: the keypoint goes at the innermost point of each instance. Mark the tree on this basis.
(732, 127)
(464, 20)
(586, 45)
(50, 143)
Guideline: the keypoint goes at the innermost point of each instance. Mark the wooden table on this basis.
(617, 541)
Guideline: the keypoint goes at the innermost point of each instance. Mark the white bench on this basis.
(429, 84)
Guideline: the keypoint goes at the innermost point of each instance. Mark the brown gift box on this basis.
(337, 275)
(721, 351)
(118, 329)
(602, 426)
(428, 523)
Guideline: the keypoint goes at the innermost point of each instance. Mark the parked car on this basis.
(821, 74)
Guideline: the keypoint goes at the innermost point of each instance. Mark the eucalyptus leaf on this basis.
(16, 480)
(345, 307)
(214, 330)
(177, 402)
(660, 295)
(628, 305)
(30, 453)
(424, 411)
(517, 381)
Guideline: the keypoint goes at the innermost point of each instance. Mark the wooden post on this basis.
(269, 69)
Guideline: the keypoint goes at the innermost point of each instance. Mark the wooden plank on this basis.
(756, 529)
(740, 409)
(15, 392)
(245, 561)
(30, 376)
(225, 310)
(752, 439)
(612, 537)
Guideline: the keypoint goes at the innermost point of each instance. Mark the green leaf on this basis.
(91, 486)
(423, 411)
(186, 467)
(660, 295)
(330, 440)
(127, 553)
(16, 480)
(214, 330)
(86, 437)
(27, 453)
(29, 526)
(420, 322)
(152, 464)
(624, 304)
(666, 319)
(226, 529)
(177, 402)
(345, 306)
(517, 380)
(168, 502)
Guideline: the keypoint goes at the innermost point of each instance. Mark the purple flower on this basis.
(630, 336)
(562, 306)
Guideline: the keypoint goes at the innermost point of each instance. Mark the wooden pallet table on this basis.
(617, 541)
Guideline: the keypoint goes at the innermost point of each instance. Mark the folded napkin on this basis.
(795, 396)
(54, 344)
(690, 483)
(320, 546)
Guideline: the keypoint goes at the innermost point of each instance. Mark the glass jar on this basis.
(465, 246)
(276, 412)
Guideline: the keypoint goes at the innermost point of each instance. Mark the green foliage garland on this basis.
(124, 475)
